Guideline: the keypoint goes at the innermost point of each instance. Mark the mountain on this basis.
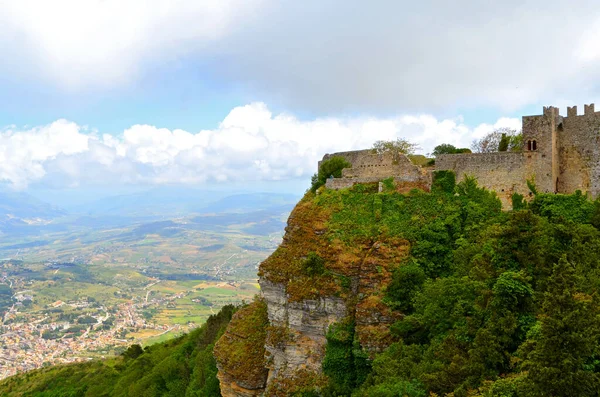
(157, 202)
(24, 206)
(418, 294)
(21, 214)
(386, 294)
(250, 202)
(180, 201)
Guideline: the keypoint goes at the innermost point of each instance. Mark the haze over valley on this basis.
(87, 281)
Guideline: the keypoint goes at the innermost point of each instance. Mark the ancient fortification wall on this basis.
(560, 154)
(503, 172)
(579, 151)
(370, 167)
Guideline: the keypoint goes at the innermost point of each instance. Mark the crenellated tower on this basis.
(541, 148)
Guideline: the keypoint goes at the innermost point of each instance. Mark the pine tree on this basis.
(558, 365)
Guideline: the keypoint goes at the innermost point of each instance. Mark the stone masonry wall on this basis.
(566, 158)
(384, 165)
(370, 167)
(542, 130)
(579, 152)
(503, 172)
(352, 156)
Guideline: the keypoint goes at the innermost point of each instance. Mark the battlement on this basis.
(551, 111)
(588, 109)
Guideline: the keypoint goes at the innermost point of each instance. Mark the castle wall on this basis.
(370, 167)
(352, 156)
(579, 152)
(503, 172)
(564, 156)
(384, 165)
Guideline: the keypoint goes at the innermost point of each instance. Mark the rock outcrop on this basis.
(240, 353)
(311, 282)
(296, 335)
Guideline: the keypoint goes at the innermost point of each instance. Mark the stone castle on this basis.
(561, 154)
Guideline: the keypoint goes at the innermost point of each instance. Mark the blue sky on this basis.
(115, 95)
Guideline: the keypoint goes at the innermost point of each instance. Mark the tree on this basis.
(504, 142)
(494, 141)
(133, 352)
(560, 363)
(399, 146)
(330, 167)
(446, 148)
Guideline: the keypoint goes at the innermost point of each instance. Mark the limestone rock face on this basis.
(230, 387)
(296, 336)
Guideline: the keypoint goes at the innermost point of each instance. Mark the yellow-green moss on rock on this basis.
(240, 353)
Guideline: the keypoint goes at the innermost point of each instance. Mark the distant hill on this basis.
(178, 201)
(251, 202)
(24, 206)
(21, 213)
(163, 201)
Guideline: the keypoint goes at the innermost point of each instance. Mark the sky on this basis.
(122, 94)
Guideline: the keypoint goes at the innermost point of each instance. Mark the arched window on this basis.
(534, 145)
(529, 146)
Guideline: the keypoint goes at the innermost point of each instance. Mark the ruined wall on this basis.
(352, 156)
(502, 172)
(579, 152)
(370, 167)
(384, 165)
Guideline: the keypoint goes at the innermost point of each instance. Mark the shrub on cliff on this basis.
(240, 353)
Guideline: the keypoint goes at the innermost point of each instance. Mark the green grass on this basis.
(214, 291)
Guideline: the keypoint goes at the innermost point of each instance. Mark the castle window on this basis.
(531, 145)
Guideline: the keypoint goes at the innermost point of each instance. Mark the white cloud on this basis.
(251, 144)
(322, 55)
(86, 43)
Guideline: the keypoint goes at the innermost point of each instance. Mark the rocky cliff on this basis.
(318, 278)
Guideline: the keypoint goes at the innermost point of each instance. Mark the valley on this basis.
(78, 287)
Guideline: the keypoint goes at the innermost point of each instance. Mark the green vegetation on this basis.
(6, 294)
(399, 146)
(446, 148)
(314, 265)
(500, 140)
(328, 168)
(488, 302)
(345, 364)
(242, 352)
(491, 303)
(184, 366)
(481, 302)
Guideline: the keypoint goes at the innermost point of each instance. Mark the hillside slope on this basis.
(385, 294)
(180, 367)
(389, 294)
